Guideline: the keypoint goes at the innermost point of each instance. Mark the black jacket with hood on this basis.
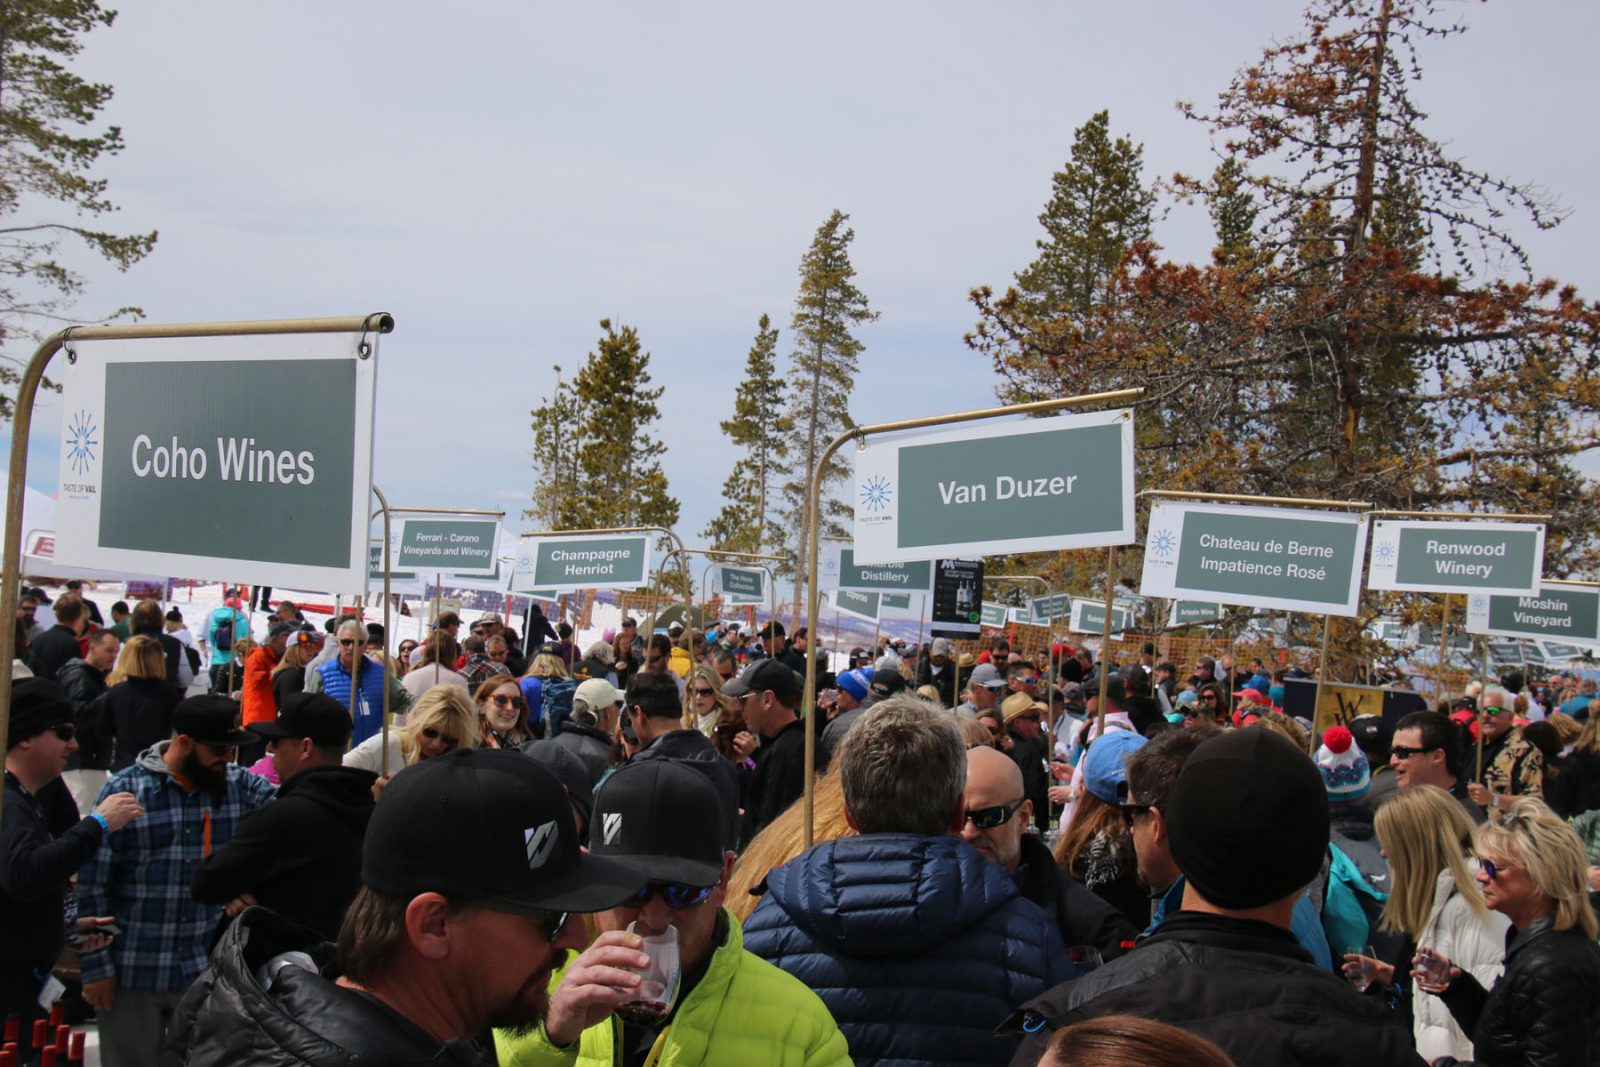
(300, 855)
(303, 1020)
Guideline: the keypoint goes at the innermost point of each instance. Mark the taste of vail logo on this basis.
(83, 438)
(1163, 543)
(876, 493)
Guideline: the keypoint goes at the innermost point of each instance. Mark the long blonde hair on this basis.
(713, 680)
(784, 838)
(1551, 853)
(446, 708)
(1424, 831)
(141, 657)
(548, 665)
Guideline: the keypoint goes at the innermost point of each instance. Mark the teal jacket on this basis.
(743, 1012)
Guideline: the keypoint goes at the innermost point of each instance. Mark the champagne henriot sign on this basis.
(1284, 558)
(181, 456)
(1450, 557)
(1064, 482)
(568, 564)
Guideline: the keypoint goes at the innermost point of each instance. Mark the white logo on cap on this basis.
(541, 841)
(612, 826)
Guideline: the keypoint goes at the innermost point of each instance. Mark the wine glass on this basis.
(659, 982)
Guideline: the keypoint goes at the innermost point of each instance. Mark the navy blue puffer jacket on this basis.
(918, 945)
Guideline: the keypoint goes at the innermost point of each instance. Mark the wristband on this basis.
(105, 827)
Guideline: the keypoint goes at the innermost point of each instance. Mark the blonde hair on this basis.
(931, 694)
(548, 665)
(1589, 739)
(141, 657)
(973, 732)
(711, 678)
(1284, 726)
(784, 839)
(1424, 831)
(1533, 837)
(446, 708)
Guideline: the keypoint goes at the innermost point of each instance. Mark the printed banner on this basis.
(1449, 557)
(957, 598)
(449, 544)
(989, 489)
(181, 456)
(1558, 611)
(1289, 559)
(837, 569)
(568, 564)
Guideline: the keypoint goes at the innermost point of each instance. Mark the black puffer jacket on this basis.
(130, 717)
(1246, 985)
(1083, 918)
(1544, 1011)
(304, 1020)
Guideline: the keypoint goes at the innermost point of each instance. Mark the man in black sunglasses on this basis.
(996, 820)
(44, 843)
(660, 818)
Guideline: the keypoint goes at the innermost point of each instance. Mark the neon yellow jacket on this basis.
(679, 662)
(744, 1012)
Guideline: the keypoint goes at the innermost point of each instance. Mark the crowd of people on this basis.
(472, 849)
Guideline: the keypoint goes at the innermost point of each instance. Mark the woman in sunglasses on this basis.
(289, 675)
(707, 705)
(445, 718)
(503, 713)
(1545, 1009)
(402, 662)
(1435, 901)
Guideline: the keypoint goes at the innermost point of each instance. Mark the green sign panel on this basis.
(838, 569)
(1293, 560)
(1089, 617)
(894, 602)
(858, 603)
(568, 564)
(375, 566)
(179, 456)
(742, 583)
(994, 615)
(1042, 609)
(1445, 557)
(1195, 613)
(448, 545)
(1064, 482)
(1557, 611)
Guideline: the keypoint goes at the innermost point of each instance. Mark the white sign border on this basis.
(1380, 574)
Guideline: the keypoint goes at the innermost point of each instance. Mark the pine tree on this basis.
(45, 161)
(557, 445)
(620, 480)
(1099, 208)
(823, 369)
(759, 429)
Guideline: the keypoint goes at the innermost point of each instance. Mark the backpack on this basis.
(222, 636)
(556, 704)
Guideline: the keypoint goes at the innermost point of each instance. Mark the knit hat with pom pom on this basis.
(1344, 767)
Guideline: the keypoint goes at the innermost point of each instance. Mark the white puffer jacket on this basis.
(1458, 934)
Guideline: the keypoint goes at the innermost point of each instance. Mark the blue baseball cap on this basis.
(856, 682)
(1105, 764)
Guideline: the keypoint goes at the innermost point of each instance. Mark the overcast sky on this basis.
(500, 176)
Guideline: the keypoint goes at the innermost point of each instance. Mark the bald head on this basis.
(995, 782)
(991, 773)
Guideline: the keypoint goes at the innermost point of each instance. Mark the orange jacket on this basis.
(255, 698)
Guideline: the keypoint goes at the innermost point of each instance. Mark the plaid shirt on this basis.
(142, 874)
(480, 668)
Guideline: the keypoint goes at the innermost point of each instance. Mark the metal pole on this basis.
(1105, 637)
(22, 426)
(383, 751)
(811, 535)
(438, 604)
(1444, 637)
(1322, 674)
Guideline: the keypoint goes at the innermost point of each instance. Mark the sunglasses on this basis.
(1032, 716)
(999, 815)
(703, 692)
(348, 642)
(64, 731)
(554, 921)
(674, 896)
(1496, 711)
(1492, 869)
(504, 701)
(1131, 812)
(1406, 751)
(434, 735)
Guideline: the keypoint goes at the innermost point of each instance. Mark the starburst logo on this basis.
(876, 493)
(1163, 543)
(1384, 552)
(1480, 603)
(82, 440)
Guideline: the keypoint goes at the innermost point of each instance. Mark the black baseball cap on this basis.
(763, 675)
(487, 825)
(314, 715)
(663, 819)
(37, 704)
(211, 720)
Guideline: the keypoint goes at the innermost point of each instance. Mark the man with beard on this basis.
(472, 885)
(193, 797)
